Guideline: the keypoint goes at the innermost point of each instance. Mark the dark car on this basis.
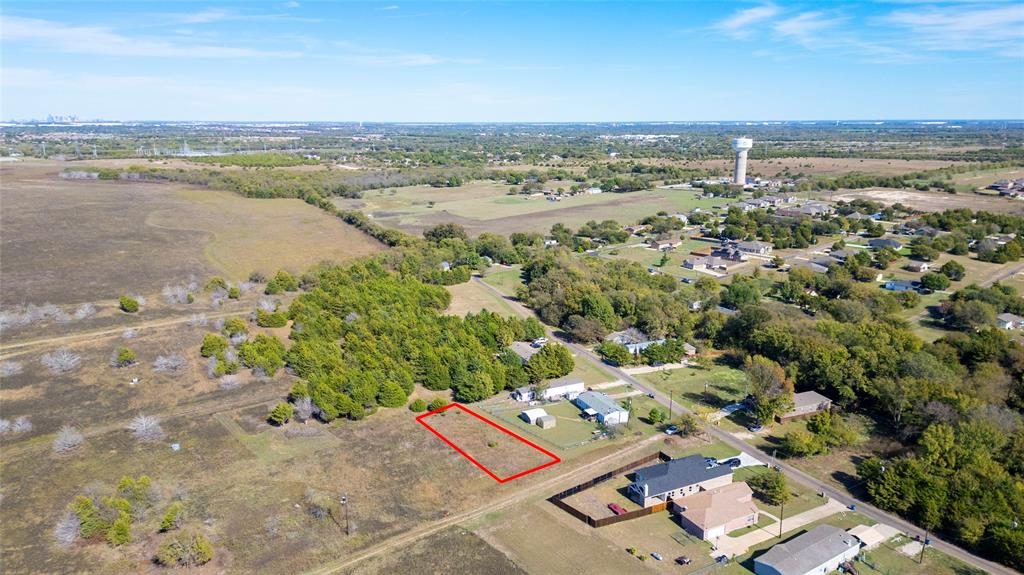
(683, 560)
(722, 559)
(733, 463)
(617, 509)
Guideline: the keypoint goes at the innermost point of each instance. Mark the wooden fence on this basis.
(557, 499)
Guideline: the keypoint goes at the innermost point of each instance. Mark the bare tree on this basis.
(303, 408)
(68, 438)
(268, 304)
(197, 320)
(176, 294)
(85, 310)
(218, 324)
(67, 529)
(229, 382)
(130, 333)
(245, 287)
(62, 360)
(5, 426)
(218, 297)
(315, 504)
(9, 368)
(146, 428)
(239, 338)
(169, 363)
(21, 425)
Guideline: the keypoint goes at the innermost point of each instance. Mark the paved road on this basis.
(793, 473)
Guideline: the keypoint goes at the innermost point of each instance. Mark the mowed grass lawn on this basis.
(570, 430)
(506, 280)
(715, 387)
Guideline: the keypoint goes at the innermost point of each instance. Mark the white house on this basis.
(820, 550)
(605, 409)
(556, 390)
(1009, 321)
(594, 190)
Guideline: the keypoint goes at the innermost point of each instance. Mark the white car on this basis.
(540, 341)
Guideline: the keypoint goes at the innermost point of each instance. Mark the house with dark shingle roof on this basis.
(676, 478)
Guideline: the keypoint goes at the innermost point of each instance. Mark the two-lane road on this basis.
(792, 472)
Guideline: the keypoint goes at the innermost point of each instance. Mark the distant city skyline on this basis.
(512, 62)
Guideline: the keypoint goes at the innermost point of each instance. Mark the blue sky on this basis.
(512, 61)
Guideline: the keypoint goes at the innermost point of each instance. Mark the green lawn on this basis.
(762, 522)
(506, 280)
(570, 431)
(802, 498)
(715, 387)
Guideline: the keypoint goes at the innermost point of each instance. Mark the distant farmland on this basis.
(75, 241)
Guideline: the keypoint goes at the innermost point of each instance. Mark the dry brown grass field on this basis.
(931, 201)
(70, 241)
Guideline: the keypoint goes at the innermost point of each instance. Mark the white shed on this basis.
(532, 415)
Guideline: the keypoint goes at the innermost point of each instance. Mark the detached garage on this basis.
(532, 415)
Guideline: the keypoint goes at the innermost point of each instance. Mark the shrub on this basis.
(282, 281)
(67, 439)
(170, 363)
(172, 517)
(234, 292)
(270, 319)
(146, 428)
(60, 361)
(437, 403)
(123, 357)
(128, 305)
(281, 413)
(263, 352)
(213, 344)
(235, 325)
(90, 522)
(418, 406)
(120, 531)
(186, 550)
(391, 395)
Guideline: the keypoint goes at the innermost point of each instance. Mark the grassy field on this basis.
(570, 431)
(507, 280)
(471, 297)
(979, 179)
(930, 201)
(716, 387)
(127, 237)
(485, 206)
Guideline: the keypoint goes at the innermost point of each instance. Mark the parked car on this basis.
(617, 509)
(656, 555)
(540, 341)
(722, 559)
(650, 395)
(733, 463)
(683, 560)
(755, 428)
(671, 430)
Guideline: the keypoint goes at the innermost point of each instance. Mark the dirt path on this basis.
(524, 493)
(92, 335)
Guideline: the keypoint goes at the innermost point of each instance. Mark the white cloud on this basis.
(380, 58)
(291, 4)
(60, 37)
(391, 7)
(738, 25)
(807, 25)
(963, 28)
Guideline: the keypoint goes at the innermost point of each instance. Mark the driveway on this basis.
(733, 546)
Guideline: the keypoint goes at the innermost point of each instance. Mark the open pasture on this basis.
(73, 241)
(487, 207)
(831, 167)
(499, 451)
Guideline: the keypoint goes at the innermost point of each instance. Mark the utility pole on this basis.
(924, 544)
(344, 503)
(782, 513)
(671, 392)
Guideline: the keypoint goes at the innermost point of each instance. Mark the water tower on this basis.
(742, 146)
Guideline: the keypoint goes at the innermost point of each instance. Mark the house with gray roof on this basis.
(879, 243)
(1009, 321)
(601, 407)
(821, 550)
(676, 478)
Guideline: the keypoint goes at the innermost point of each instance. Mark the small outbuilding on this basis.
(532, 415)
(546, 421)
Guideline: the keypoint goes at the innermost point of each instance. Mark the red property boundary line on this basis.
(554, 458)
